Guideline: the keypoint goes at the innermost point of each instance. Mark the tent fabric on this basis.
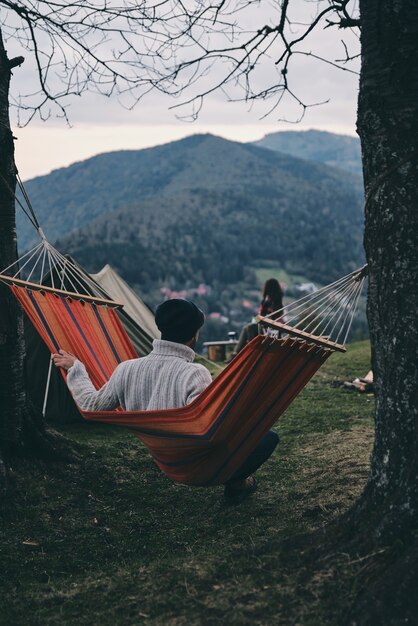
(133, 305)
(205, 442)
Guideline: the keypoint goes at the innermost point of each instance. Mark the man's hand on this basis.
(64, 359)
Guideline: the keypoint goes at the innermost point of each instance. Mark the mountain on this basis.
(202, 210)
(339, 151)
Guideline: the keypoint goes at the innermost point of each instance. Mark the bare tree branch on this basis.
(128, 47)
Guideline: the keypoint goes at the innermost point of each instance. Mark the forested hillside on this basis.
(203, 210)
(339, 151)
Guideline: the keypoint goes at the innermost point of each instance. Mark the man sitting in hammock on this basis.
(166, 378)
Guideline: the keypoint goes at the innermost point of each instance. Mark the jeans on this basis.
(258, 456)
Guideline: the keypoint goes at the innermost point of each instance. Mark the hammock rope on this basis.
(28, 211)
(43, 257)
(31, 210)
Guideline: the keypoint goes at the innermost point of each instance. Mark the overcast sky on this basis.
(101, 124)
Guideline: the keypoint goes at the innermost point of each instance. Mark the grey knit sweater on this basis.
(166, 378)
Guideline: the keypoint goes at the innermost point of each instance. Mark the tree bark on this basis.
(12, 395)
(388, 129)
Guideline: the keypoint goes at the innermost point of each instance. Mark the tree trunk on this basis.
(388, 128)
(12, 395)
(387, 514)
(21, 427)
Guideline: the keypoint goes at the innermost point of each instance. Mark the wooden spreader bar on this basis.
(68, 294)
(300, 333)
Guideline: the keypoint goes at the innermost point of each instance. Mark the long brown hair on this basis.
(274, 291)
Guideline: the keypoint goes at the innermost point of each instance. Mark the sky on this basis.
(100, 124)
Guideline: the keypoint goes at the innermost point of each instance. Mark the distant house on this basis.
(215, 315)
(202, 289)
(306, 288)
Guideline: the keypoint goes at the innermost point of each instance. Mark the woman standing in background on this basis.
(272, 300)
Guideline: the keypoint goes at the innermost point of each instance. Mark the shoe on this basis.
(235, 495)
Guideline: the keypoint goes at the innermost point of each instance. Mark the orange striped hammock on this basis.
(205, 442)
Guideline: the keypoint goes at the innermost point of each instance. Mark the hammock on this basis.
(205, 442)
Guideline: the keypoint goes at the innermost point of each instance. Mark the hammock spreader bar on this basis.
(68, 294)
(290, 330)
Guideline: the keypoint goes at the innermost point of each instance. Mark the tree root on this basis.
(390, 598)
(45, 444)
(374, 575)
(51, 446)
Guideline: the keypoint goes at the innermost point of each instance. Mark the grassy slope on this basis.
(112, 541)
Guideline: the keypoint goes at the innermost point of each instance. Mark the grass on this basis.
(111, 541)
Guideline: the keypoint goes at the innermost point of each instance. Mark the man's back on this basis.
(166, 378)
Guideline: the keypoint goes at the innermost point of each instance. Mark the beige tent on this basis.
(120, 291)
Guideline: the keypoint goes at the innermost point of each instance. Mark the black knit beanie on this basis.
(178, 319)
